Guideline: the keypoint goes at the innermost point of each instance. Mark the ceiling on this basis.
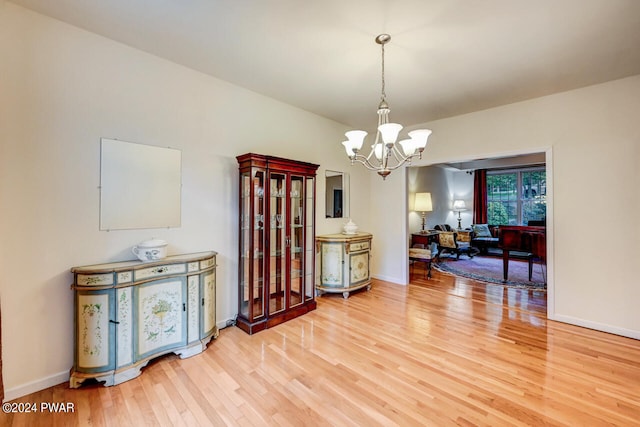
(445, 58)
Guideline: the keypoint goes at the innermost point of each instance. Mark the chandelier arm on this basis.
(400, 158)
(371, 154)
(360, 159)
(364, 161)
(396, 166)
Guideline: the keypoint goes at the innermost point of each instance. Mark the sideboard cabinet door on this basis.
(162, 316)
(208, 312)
(95, 330)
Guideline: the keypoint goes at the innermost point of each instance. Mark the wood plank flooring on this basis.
(439, 352)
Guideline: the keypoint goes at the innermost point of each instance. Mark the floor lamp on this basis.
(459, 206)
(423, 205)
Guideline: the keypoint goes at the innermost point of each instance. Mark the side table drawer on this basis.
(359, 246)
(159, 271)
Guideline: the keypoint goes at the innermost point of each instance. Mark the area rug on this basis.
(489, 269)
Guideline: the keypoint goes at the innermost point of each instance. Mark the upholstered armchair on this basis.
(448, 242)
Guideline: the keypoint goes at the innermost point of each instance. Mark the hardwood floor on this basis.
(445, 351)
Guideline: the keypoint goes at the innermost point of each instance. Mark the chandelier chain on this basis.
(383, 95)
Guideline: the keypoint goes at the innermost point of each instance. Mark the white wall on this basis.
(594, 138)
(62, 89)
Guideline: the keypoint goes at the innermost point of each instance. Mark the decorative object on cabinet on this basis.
(277, 232)
(127, 313)
(350, 227)
(385, 147)
(150, 250)
(344, 262)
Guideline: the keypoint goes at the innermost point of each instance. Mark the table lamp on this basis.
(459, 206)
(423, 205)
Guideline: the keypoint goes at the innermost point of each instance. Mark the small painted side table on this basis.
(344, 262)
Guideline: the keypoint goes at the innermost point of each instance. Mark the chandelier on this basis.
(386, 154)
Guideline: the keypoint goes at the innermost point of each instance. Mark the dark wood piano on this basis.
(530, 240)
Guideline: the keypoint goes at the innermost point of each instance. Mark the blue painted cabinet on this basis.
(130, 312)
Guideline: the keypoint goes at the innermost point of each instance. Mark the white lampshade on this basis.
(348, 148)
(389, 132)
(356, 138)
(423, 202)
(459, 205)
(408, 146)
(420, 137)
(379, 149)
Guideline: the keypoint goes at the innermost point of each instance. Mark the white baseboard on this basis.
(34, 386)
(225, 323)
(596, 326)
(388, 279)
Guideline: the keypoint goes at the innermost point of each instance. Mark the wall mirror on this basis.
(140, 186)
(336, 194)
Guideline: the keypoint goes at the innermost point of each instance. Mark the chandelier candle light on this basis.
(385, 155)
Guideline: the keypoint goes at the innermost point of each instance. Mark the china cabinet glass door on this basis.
(252, 245)
(309, 239)
(296, 220)
(277, 242)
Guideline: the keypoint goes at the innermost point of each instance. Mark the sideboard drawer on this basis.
(159, 271)
(359, 246)
(95, 279)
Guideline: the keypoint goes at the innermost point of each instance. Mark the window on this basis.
(515, 197)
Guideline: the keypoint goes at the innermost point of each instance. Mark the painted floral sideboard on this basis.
(127, 313)
(344, 262)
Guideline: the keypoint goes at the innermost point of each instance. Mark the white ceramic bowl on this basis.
(150, 250)
(350, 227)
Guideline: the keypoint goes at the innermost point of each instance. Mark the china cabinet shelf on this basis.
(277, 234)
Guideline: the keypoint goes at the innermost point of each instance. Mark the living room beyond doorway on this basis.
(518, 193)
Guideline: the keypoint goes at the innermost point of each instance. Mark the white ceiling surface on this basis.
(445, 58)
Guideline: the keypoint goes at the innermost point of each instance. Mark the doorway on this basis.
(453, 180)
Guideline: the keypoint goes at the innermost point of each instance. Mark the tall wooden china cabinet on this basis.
(277, 233)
